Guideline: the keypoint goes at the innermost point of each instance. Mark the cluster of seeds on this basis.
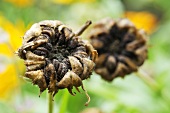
(121, 47)
(55, 57)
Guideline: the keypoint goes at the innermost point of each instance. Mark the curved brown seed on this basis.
(121, 70)
(33, 62)
(49, 31)
(39, 42)
(142, 55)
(50, 70)
(88, 66)
(111, 63)
(104, 73)
(38, 78)
(91, 51)
(33, 32)
(129, 62)
(34, 67)
(132, 46)
(101, 60)
(75, 65)
(32, 56)
(69, 80)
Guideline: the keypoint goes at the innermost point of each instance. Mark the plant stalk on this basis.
(147, 79)
(154, 86)
(50, 103)
(64, 102)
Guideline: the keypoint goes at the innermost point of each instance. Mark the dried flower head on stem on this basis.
(122, 48)
(55, 57)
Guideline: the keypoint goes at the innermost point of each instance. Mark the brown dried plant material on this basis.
(91, 110)
(57, 58)
(121, 47)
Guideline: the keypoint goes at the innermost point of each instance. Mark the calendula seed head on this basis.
(122, 48)
(55, 57)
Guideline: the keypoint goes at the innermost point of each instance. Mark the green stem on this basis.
(50, 103)
(154, 86)
(63, 106)
(148, 80)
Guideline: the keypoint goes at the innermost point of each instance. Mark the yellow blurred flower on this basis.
(20, 2)
(143, 19)
(71, 1)
(8, 79)
(63, 1)
(15, 32)
(10, 65)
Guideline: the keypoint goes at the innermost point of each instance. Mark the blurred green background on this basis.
(147, 91)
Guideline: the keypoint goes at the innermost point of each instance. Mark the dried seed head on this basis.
(55, 57)
(121, 47)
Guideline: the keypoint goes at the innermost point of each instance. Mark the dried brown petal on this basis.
(56, 57)
(121, 47)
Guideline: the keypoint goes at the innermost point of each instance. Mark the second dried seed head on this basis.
(122, 48)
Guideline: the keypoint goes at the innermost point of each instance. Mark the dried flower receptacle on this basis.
(122, 48)
(55, 57)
